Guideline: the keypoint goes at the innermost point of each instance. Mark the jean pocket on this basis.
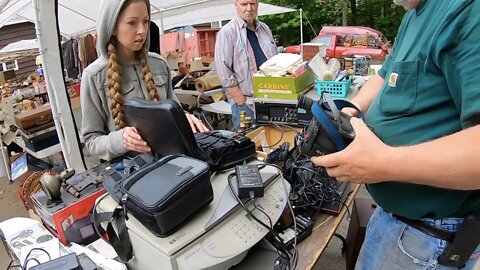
(400, 92)
(417, 246)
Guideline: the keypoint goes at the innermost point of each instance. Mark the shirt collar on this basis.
(126, 64)
(243, 24)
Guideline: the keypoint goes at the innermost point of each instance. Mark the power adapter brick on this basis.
(249, 180)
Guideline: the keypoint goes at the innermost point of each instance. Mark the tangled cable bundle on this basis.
(311, 186)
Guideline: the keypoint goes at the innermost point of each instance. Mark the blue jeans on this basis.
(391, 244)
(236, 109)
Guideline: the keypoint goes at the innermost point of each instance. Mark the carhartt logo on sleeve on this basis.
(392, 81)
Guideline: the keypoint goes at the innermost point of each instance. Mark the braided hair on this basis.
(115, 87)
(147, 75)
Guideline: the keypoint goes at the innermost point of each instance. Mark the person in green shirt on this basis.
(418, 151)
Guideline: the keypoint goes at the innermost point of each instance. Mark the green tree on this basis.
(286, 27)
(379, 14)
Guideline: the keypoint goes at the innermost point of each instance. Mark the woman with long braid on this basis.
(124, 70)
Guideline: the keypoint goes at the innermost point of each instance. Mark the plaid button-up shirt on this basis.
(234, 57)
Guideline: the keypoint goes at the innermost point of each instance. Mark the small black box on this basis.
(249, 180)
(40, 137)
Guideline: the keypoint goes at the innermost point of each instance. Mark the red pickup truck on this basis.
(347, 41)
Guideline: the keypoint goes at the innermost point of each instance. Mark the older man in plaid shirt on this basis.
(242, 46)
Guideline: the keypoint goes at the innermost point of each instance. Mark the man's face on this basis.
(407, 4)
(247, 9)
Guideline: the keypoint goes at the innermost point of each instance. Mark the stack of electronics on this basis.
(275, 96)
(219, 234)
(37, 128)
(280, 111)
(64, 205)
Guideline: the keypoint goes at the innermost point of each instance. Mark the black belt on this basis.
(432, 231)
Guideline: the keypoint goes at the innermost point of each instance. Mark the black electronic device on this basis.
(165, 128)
(284, 112)
(334, 207)
(249, 180)
(67, 262)
(329, 130)
(464, 243)
(303, 230)
(81, 232)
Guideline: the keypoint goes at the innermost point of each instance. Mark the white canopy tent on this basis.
(19, 49)
(220, 12)
(77, 17)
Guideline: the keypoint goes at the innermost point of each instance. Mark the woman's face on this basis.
(132, 27)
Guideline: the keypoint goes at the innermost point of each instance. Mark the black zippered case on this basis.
(172, 134)
(162, 194)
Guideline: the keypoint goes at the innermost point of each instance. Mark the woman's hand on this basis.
(196, 124)
(133, 141)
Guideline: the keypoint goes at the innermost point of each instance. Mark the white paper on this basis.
(51, 247)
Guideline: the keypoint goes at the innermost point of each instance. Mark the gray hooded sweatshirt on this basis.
(98, 127)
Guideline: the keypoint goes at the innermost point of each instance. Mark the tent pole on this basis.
(49, 47)
(301, 32)
(161, 23)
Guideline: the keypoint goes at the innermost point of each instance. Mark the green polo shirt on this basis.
(431, 89)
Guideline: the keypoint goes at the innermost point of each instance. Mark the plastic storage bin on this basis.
(336, 89)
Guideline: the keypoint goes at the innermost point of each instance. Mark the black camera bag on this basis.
(224, 149)
(161, 194)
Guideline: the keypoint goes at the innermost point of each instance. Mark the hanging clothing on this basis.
(90, 51)
(69, 59)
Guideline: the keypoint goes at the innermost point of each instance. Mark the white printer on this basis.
(217, 237)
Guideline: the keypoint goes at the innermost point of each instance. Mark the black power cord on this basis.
(27, 259)
(277, 243)
(282, 132)
(287, 260)
(293, 263)
(11, 265)
(311, 186)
